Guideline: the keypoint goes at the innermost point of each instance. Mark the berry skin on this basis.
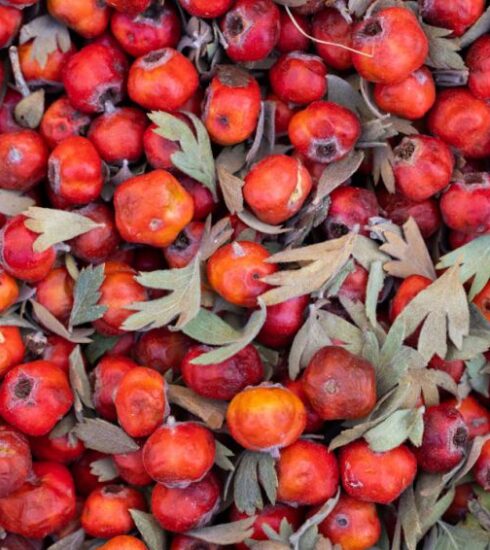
(444, 442)
(350, 210)
(330, 26)
(152, 209)
(15, 460)
(477, 62)
(298, 77)
(170, 506)
(313, 421)
(185, 247)
(12, 348)
(105, 133)
(251, 29)
(475, 415)
(411, 98)
(394, 45)
(23, 160)
(308, 474)
(75, 172)
(423, 166)
(85, 480)
(124, 542)
(38, 386)
(235, 271)
(58, 350)
(55, 293)
(183, 542)
(355, 284)
(231, 106)
(207, 9)
(162, 79)
(266, 417)
(7, 119)
(456, 15)
(458, 509)
(17, 255)
(43, 505)
(178, 454)
(10, 21)
(159, 150)
(141, 401)
(89, 18)
(353, 524)
(222, 380)
(61, 121)
(131, 469)
(362, 469)
(282, 322)
(162, 349)
(9, 291)
(324, 132)
(406, 292)
(462, 121)
(155, 29)
(62, 449)
(290, 39)
(204, 203)
(482, 301)
(481, 469)
(270, 515)
(48, 74)
(276, 188)
(133, 7)
(106, 511)
(339, 384)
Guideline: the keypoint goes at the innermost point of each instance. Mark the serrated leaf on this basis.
(222, 457)
(246, 488)
(74, 541)
(478, 375)
(215, 236)
(56, 226)
(183, 302)
(104, 437)
(382, 167)
(443, 309)
(231, 187)
(48, 320)
(366, 251)
(318, 264)
(148, 526)
(13, 203)
(410, 251)
(342, 92)
(456, 537)
(78, 378)
(373, 289)
(393, 431)
(86, 294)
(196, 157)
(209, 328)
(410, 520)
(229, 533)
(99, 346)
(337, 173)
(481, 27)
(268, 476)
(478, 340)
(63, 427)
(442, 51)
(474, 260)
(104, 469)
(48, 34)
(210, 411)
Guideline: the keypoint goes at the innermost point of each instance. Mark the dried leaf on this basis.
(367, 251)
(373, 289)
(48, 320)
(29, 110)
(478, 340)
(182, 302)
(196, 157)
(56, 226)
(337, 173)
(382, 167)
(411, 524)
(319, 263)
(86, 294)
(74, 541)
(229, 533)
(78, 378)
(104, 437)
(152, 533)
(104, 469)
(474, 260)
(478, 376)
(48, 35)
(210, 411)
(457, 537)
(442, 51)
(13, 203)
(231, 187)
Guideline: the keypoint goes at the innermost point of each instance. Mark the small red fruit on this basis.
(162, 349)
(204, 203)
(131, 468)
(266, 417)
(85, 480)
(15, 460)
(455, 369)
(141, 401)
(106, 511)
(388, 35)
(185, 247)
(61, 121)
(12, 348)
(55, 293)
(63, 449)
(482, 301)
(406, 292)
(45, 74)
(456, 15)
(9, 291)
(444, 442)
(89, 18)
(170, 506)
(10, 21)
(124, 542)
(355, 284)
(475, 415)
(207, 9)
(313, 421)
(290, 38)
(133, 7)
(331, 26)
(58, 350)
(339, 384)
(477, 63)
(481, 469)
(222, 380)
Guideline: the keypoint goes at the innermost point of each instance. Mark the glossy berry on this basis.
(411, 98)
(423, 166)
(207, 9)
(38, 386)
(324, 131)
(410, 287)
(290, 38)
(307, 473)
(15, 460)
(266, 417)
(313, 421)
(362, 468)
(85, 480)
(159, 150)
(222, 380)
(63, 449)
(57, 350)
(133, 7)
(170, 506)
(456, 15)
(12, 348)
(476, 416)
(353, 524)
(204, 203)
(251, 29)
(61, 121)
(185, 247)
(276, 188)
(152, 209)
(355, 284)
(329, 25)
(477, 62)
(55, 292)
(339, 384)
(162, 349)
(455, 369)
(10, 21)
(124, 542)
(131, 468)
(106, 511)
(232, 105)
(444, 441)
(393, 43)
(283, 113)
(141, 401)
(179, 453)
(481, 469)
(23, 160)
(162, 79)
(9, 291)
(86, 17)
(42, 505)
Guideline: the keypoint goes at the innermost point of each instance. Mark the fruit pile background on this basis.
(244, 274)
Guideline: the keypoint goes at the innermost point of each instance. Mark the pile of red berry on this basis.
(244, 274)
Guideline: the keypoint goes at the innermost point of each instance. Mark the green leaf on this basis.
(479, 28)
(246, 488)
(374, 287)
(222, 457)
(104, 437)
(209, 328)
(456, 537)
(48, 320)
(268, 476)
(99, 346)
(56, 226)
(442, 50)
(152, 533)
(104, 469)
(410, 520)
(86, 294)
(245, 337)
(183, 302)
(79, 380)
(474, 260)
(229, 533)
(210, 411)
(196, 157)
(48, 34)
(74, 541)
(396, 429)
(478, 376)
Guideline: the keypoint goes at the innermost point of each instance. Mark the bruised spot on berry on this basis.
(336, 230)
(23, 387)
(372, 28)
(233, 76)
(234, 25)
(181, 242)
(460, 437)
(223, 120)
(324, 150)
(342, 521)
(112, 490)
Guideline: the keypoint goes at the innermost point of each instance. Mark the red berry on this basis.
(207, 9)
(185, 247)
(61, 121)
(63, 449)
(131, 468)
(290, 38)
(481, 469)
(330, 26)
(162, 349)
(456, 15)
(351, 208)
(477, 62)
(12, 348)
(15, 460)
